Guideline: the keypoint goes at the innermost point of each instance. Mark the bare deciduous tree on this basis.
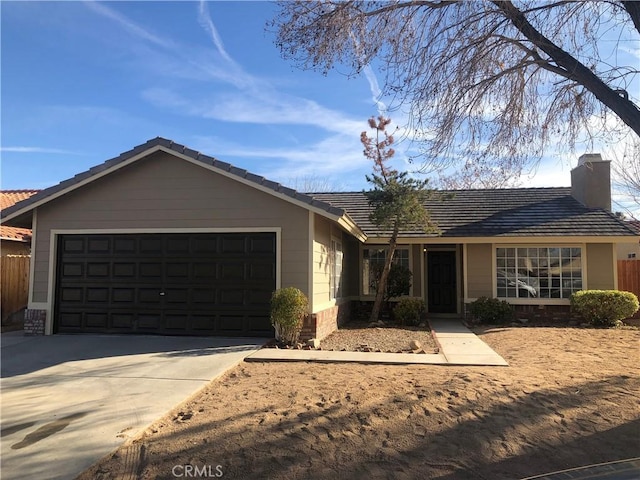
(496, 81)
(312, 183)
(626, 176)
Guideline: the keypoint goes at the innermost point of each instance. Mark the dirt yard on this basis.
(569, 398)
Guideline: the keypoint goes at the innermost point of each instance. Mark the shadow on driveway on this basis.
(22, 355)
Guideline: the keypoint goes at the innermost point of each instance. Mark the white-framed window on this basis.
(373, 259)
(538, 272)
(336, 269)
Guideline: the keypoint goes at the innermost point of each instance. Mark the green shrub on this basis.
(491, 310)
(289, 307)
(604, 308)
(409, 311)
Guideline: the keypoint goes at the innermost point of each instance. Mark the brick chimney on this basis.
(591, 181)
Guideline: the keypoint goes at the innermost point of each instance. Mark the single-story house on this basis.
(163, 239)
(14, 241)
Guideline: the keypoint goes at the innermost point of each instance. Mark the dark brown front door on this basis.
(171, 284)
(441, 285)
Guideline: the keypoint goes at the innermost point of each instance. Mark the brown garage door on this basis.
(170, 284)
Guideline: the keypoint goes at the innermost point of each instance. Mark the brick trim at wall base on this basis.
(539, 314)
(321, 324)
(34, 321)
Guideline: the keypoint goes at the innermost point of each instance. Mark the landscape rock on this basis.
(313, 343)
(415, 345)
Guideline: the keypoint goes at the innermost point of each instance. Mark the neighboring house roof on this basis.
(496, 212)
(7, 199)
(21, 212)
(634, 225)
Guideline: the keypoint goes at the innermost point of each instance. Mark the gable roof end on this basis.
(25, 207)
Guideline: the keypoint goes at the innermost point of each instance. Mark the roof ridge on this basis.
(170, 145)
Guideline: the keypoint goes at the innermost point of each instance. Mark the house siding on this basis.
(321, 262)
(600, 266)
(479, 270)
(163, 192)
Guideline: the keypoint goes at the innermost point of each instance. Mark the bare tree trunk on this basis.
(382, 283)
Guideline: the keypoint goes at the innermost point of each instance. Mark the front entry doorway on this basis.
(441, 281)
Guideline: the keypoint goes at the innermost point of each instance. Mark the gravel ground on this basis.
(359, 337)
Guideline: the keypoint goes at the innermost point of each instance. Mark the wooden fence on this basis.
(14, 284)
(629, 278)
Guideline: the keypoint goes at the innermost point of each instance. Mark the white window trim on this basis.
(536, 301)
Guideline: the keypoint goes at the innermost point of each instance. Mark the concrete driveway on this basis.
(69, 400)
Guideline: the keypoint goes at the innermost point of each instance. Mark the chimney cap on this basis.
(590, 158)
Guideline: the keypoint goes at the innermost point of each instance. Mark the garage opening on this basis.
(168, 284)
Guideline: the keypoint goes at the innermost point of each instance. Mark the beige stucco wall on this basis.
(628, 251)
(479, 270)
(164, 192)
(600, 266)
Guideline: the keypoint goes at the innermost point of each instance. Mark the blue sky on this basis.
(84, 81)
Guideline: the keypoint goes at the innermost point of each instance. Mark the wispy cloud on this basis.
(207, 23)
(376, 93)
(23, 149)
(128, 25)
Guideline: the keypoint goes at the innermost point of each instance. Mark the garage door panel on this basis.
(124, 295)
(72, 295)
(150, 322)
(97, 295)
(151, 244)
(183, 284)
(70, 319)
(99, 245)
(151, 270)
(150, 296)
(264, 244)
(97, 320)
(124, 270)
(262, 271)
(73, 245)
(123, 245)
(231, 323)
(72, 269)
(125, 321)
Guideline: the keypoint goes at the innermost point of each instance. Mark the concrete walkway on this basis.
(461, 346)
(619, 470)
(458, 346)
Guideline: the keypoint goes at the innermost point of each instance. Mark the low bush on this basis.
(604, 308)
(409, 311)
(289, 307)
(491, 310)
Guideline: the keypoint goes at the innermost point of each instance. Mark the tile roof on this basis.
(633, 225)
(469, 213)
(7, 199)
(205, 160)
(494, 213)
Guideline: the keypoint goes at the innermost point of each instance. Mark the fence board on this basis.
(14, 284)
(629, 278)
